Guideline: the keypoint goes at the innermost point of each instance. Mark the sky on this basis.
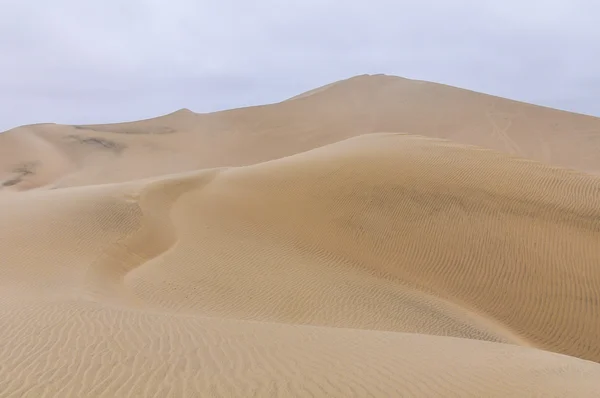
(101, 61)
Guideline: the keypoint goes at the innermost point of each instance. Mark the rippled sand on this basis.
(376, 237)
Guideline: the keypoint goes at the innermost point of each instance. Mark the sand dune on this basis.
(62, 156)
(267, 252)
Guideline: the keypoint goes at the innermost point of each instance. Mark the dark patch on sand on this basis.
(132, 130)
(20, 172)
(98, 142)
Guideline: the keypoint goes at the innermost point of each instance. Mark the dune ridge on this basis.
(185, 141)
(337, 263)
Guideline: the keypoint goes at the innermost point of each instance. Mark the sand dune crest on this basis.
(185, 141)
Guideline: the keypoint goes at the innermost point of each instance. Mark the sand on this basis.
(375, 237)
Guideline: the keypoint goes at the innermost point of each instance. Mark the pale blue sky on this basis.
(74, 61)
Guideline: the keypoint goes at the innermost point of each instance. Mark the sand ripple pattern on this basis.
(382, 265)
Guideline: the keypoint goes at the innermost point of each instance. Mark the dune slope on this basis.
(49, 155)
(382, 265)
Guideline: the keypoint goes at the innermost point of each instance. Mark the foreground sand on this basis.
(381, 265)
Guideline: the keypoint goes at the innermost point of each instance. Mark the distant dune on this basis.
(185, 141)
(375, 237)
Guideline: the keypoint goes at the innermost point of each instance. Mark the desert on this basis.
(375, 237)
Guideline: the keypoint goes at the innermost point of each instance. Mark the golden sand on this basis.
(376, 237)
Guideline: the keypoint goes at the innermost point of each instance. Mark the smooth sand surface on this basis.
(376, 237)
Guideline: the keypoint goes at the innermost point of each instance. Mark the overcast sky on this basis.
(86, 61)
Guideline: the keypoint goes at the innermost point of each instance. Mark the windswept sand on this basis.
(376, 237)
